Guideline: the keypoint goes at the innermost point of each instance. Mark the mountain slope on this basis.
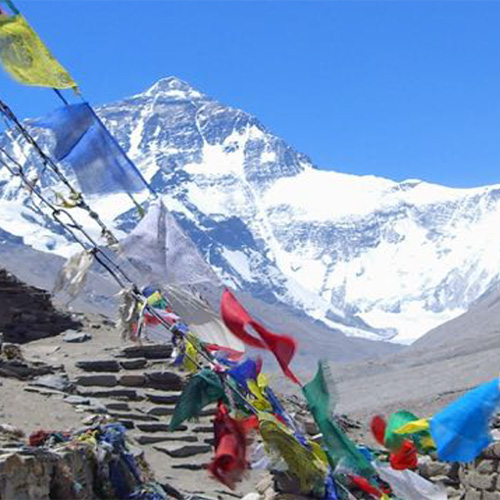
(365, 255)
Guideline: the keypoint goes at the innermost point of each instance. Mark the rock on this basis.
(158, 438)
(184, 450)
(486, 466)
(11, 431)
(171, 491)
(24, 370)
(77, 400)
(43, 391)
(481, 481)
(57, 382)
(132, 380)
(154, 427)
(75, 337)
(167, 381)
(430, 468)
(493, 451)
(134, 364)
(163, 399)
(473, 495)
(148, 351)
(99, 365)
(128, 394)
(96, 380)
(491, 495)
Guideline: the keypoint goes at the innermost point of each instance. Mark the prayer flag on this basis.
(461, 430)
(202, 389)
(86, 146)
(339, 447)
(236, 318)
(25, 57)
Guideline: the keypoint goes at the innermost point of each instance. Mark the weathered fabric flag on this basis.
(85, 145)
(230, 442)
(202, 389)
(301, 460)
(25, 57)
(236, 318)
(461, 430)
(409, 485)
(339, 447)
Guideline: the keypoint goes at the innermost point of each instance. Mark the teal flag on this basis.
(203, 389)
(339, 447)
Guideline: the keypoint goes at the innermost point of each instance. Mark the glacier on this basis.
(366, 256)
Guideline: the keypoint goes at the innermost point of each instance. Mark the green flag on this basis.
(338, 446)
(202, 389)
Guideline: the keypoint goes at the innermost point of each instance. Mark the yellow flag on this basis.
(25, 57)
(414, 427)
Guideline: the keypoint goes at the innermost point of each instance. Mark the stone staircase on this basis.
(139, 386)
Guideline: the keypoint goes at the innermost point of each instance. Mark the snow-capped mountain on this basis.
(365, 255)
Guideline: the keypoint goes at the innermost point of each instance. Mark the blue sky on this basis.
(399, 89)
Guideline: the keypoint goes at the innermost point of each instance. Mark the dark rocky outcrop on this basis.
(27, 313)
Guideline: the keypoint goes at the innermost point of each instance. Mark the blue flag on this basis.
(86, 146)
(461, 430)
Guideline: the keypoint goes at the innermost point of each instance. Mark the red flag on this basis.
(236, 318)
(230, 354)
(365, 485)
(230, 461)
(378, 426)
(405, 458)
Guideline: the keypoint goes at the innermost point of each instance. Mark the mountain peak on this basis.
(174, 88)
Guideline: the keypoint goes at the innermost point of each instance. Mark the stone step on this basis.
(159, 438)
(163, 399)
(158, 427)
(118, 406)
(99, 365)
(191, 464)
(164, 380)
(132, 416)
(132, 380)
(203, 428)
(161, 410)
(101, 380)
(148, 351)
(134, 363)
(128, 424)
(169, 410)
(184, 450)
(120, 394)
